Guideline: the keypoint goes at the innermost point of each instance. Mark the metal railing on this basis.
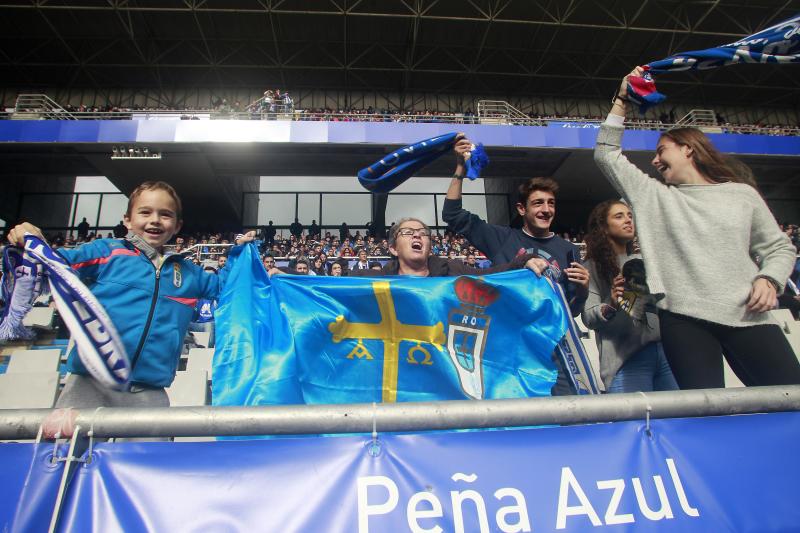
(38, 107)
(504, 117)
(501, 112)
(268, 104)
(697, 118)
(409, 416)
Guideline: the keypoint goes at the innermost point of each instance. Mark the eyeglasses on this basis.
(408, 232)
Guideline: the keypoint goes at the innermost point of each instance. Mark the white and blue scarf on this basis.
(99, 345)
(21, 285)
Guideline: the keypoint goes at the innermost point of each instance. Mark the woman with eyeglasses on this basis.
(410, 246)
(712, 248)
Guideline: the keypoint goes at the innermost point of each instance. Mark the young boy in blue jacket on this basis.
(149, 295)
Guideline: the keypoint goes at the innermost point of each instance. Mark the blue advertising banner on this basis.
(29, 482)
(578, 135)
(736, 473)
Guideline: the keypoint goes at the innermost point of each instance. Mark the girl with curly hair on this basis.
(619, 307)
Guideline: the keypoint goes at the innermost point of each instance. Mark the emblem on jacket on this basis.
(467, 328)
(177, 277)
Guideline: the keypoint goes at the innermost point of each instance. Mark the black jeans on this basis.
(759, 355)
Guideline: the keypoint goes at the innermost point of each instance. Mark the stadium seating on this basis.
(39, 317)
(189, 389)
(28, 390)
(199, 359)
(201, 338)
(25, 361)
(31, 379)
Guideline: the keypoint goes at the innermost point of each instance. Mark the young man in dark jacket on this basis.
(536, 204)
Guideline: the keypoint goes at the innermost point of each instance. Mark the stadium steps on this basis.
(201, 338)
(39, 106)
(40, 317)
(30, 379)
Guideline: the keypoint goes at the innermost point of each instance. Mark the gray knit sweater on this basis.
(699, 241)
(619, 337)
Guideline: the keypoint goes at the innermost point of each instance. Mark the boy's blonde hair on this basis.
(155, 186)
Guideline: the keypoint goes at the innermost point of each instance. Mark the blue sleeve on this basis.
(85, 260)
(233, 255)
(486, 237)
(209, 285)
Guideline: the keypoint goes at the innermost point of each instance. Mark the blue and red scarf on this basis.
(777, 45)
(390, 171)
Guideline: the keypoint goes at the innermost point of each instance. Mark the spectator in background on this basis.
(313, 230)
(83, 230)
(203, 318)
(296, 228)
(344, 231)
(470, 260)
(318, 267)
(301, 266)
(269, 234)
(336, 269)
(120, 230)
(362, 263)
(222, 260)
(269, 262)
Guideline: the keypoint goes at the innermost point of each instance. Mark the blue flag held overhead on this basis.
(392, 170)
(305, 339)
(778, 44)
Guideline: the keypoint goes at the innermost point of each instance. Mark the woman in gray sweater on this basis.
(712, 248)
(620, 307)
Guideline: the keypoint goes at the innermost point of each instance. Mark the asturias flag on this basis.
(318, 339)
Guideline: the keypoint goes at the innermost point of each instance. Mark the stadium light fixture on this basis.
(134, 152)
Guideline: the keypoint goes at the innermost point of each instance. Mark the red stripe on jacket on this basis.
(191, 302)
(106, 259)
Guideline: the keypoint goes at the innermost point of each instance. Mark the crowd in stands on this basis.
(206, 247)
(276, 104)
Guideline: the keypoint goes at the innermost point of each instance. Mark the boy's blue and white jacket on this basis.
(151, 307)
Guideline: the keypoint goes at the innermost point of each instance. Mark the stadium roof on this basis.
(494, 48)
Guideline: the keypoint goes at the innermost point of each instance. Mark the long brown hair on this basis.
(711, 163)
(598, 243)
